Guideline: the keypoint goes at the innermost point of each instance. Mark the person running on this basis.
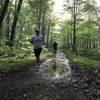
(37, 41)
(55, 46)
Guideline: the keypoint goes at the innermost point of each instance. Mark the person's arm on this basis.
(43, 40)
(31, 40)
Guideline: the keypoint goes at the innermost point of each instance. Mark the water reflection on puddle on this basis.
(55, 68)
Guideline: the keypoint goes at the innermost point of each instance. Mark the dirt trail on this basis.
(28, 83)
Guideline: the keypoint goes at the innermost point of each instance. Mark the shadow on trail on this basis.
(49, 82)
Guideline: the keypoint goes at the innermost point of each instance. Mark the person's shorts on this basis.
(37, 52)
(54, 50)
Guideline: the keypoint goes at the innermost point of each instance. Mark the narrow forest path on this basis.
(38, 83)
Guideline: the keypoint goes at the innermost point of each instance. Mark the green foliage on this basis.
(85, 63)
(88, 24)
(88, 7)
(90, 53)
(9, 63)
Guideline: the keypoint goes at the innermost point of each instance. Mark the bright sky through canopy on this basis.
(58, 9)
(98, 2)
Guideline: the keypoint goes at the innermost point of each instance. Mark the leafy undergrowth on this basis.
(7, 63)
(90, 53)
(85, 63)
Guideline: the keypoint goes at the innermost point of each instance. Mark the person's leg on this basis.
(39, 52)
(37, 60)
(38, 55)
(55, 52)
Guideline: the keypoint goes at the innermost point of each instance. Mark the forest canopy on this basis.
(80, 28)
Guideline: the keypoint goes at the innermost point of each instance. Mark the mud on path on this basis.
(27, 83)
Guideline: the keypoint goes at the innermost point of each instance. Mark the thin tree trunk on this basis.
(8, 23)
(40, 14)
(74, 29)
(48, 33)
(43, 23)
(20, 35)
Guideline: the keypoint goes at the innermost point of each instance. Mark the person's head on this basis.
(37, 31)
(54, 42)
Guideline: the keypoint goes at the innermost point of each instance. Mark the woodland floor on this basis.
(26, 83)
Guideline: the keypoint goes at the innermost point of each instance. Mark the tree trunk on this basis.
(48, 33)
(2, 15)
(8, 25)
(40, 14)
(43, 23)
(74, 29)
(1, 5)
(14, 23)
(20, 36)
(3, 12)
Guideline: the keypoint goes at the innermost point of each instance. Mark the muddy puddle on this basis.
(55, 68)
